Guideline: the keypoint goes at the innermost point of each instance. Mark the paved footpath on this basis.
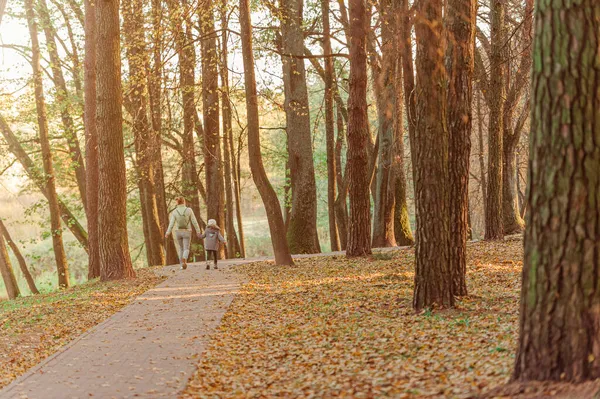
(149, 349)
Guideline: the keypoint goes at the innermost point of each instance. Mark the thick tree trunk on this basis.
(560, 325)
(302, 227)
(402, 230)
(359, 229)
(511, 216)
(460, 22)
(48, 177)
(493, 216)
(385, 85)
(233, 246)
(137, 94)
(62, 98)
(91, 139)
(8, 275)
(215, 194)
(268, 195)
(334, 238)
(115, 261)
(433, 276)
(36, 175)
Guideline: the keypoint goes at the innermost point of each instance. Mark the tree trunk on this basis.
(341, 205)
(233, 244)
(408, 76)
(8, 275)
(359, 229)
(402, 230)
(91, 139)
(493, 216)
(433, 277)
(268, 195)
(384, 209)
(62, 98)
(559, 324)
(329, 128)
(215, 195)
(48, 177)
(137, 94)
(511, 216)
(37, 176)
(460, 21)
(115, 261)
(22, 264)
(481, 154)
(302, 228)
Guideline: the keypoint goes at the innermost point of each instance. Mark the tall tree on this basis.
(137, 94)
(433, 277)
(385, 87)
(228, 153)
(22, 264)
(329, 127)
(115, 261)
(91, 139)
(493, 217)
(402, 229)
(516, 87)
(155, 80)
(559, 324)
(268, 195)
(359, 229)
(6, 270)
(63, 99)
(60, 256)
(460, 21)
(302, 227)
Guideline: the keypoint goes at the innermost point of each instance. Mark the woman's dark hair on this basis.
(180, 200)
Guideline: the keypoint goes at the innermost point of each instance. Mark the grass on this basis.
(332, 327)
(34, 327)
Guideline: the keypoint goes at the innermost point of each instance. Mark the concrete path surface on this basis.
(147, 350)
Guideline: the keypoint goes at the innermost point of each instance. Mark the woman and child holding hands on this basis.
(181, 221)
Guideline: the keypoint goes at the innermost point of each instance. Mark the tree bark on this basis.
(385, 84)
(559, 323)
(115, 261)
(329, 127)
(233, 244)
(91, 139)
(341, 205)
(268, 195)
(17, 252)
(302, 227)
(493, 216)
(48, 177)
(215, 195)
(433, 277)
(481, 154)
(402, 230)
(155, 96)
(137, 94)
(8, 275)
(359, 229)
(460, 22)
(63, 100)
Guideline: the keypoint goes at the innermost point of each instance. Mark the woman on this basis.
(182, 218)
(212, 237)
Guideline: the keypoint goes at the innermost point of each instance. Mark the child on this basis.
(212, 237)
(182, 218)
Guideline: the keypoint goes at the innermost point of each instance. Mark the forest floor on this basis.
(34, 327)
(333, 327)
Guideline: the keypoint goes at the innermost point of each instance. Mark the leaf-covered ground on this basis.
(32, 328)
(332, 327)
